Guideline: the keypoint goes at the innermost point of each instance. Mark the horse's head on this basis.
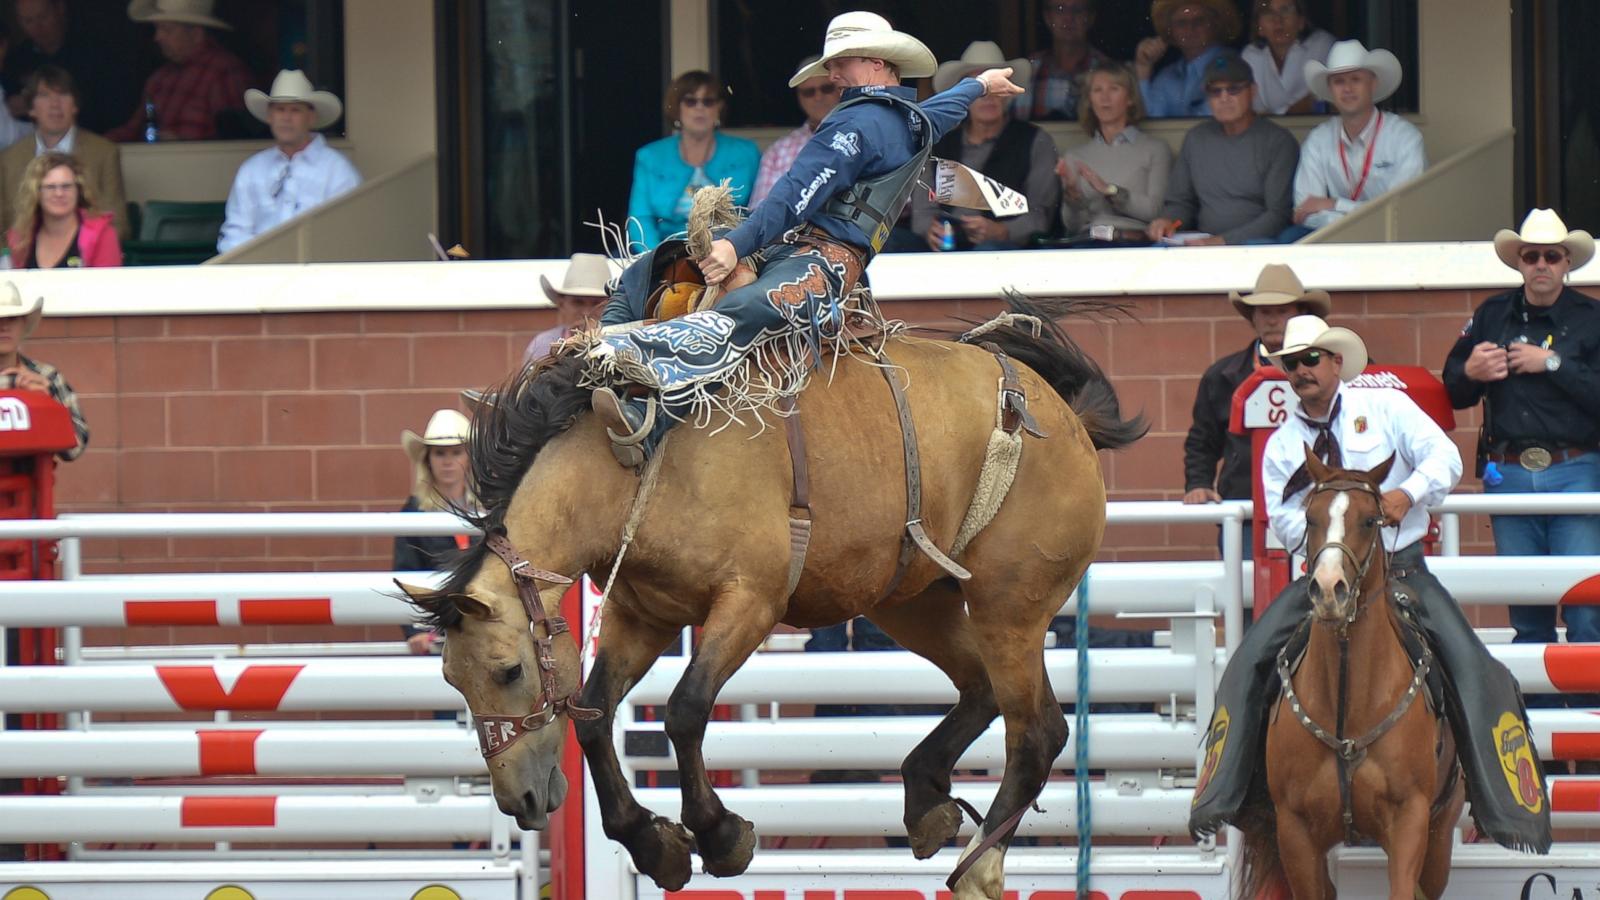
(1344, 535)
(518, 673)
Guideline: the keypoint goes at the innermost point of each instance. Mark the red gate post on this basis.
(1262, 403)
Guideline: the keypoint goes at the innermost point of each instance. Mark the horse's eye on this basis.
(510, 673)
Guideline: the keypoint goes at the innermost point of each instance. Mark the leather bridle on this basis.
(1365, 562)
(497, 734)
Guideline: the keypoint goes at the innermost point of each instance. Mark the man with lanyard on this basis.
(808, 242)
(1359, 429)
(1360, 153)
(1278, 296)
(1532, 356)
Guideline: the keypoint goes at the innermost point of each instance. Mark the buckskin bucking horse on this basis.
(715, 547)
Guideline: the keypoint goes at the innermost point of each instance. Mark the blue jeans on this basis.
(1550, 536)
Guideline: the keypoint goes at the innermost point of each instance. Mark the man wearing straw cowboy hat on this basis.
(199, 80)
(1361, 429)
(583, 292)
(815, 232)
(1532, 356)
(1278, 297)
(20, 373)
(1200, 30)
(300, 171)
(1360, 153)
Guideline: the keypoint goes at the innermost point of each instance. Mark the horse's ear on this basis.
(1318, 470)
(1381, 471)
(430, 601)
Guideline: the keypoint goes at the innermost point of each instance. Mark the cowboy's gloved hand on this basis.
(998, 82)
(719, 263)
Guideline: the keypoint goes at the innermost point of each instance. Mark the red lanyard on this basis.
(1366, 167)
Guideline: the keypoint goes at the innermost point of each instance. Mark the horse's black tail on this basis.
(1060, 361)
(1260, 866)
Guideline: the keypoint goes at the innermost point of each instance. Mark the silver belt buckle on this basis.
(1534, 459)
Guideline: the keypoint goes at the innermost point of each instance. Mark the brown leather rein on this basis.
(497, 734)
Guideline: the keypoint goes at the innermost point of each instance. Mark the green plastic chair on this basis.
(173, 233)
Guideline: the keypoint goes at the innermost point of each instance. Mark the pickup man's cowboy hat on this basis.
(1304, 333)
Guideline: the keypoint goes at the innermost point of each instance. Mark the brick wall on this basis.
(304, 411)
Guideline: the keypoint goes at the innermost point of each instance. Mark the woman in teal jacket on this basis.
(666, 173)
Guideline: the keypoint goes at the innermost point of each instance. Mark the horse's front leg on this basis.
(659, 846)
(738, 623)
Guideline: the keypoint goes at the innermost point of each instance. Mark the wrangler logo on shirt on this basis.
(811, 189)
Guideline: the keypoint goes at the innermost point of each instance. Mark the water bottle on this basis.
(5, 257)
(151, 134)
(1491, 474)
(947, 241)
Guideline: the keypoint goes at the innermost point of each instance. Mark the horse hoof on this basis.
(661, 851)
(727, 848)
(935, 829)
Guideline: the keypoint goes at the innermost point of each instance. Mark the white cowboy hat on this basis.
(1348, 56)
(588, 275)
(1277, 285)
(1543, 227)
(870, 35)
(978, 56)
(1303, 333)
(11, 306)
(188, 12)
(292, 86)
(446, 428)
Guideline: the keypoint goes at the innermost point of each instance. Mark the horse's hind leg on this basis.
(738, 623)
(1009, 621)
(659, 847)
(935, 626)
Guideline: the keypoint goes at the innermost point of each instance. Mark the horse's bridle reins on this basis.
(497, 734)
(1349, 753)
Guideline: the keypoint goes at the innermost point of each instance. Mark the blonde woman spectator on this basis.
(1285, 40)
(54, 224)
(438, 483)
(1119, 178)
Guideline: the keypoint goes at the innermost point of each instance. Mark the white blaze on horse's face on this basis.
(1332, 594)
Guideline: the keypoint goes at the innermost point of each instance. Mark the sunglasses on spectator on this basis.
(692, 102)
(1309, 359)
(1232, 90)
(1551, 257)
(826, 90)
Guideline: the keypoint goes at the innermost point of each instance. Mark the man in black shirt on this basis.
(1532, 356)
(1279, 296)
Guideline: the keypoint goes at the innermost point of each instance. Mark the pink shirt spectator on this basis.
(777, 160)
(98, 246)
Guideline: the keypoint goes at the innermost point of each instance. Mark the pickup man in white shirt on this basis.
(1358, 429)
(1360, 153)
(300, 171)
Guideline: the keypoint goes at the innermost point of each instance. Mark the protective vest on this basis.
(875, 204)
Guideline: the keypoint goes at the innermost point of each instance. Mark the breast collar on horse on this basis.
(1350, 753)
(497, 734)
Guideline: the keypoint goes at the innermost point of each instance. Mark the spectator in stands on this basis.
(199, 81)
(55, 224)
(817, 96)
(1118, 179)
(20, 373)
(1532, 356)
(438, 484)
(1285, 40)
(1233, 174)
(1058, 73)
(667, 172)
(1198, 29)
(11, 130)
(103, 74)
(1017, 154)
(1278, 297)
(1360, 153)
(299, 172)
(52, 99)
(583, 291)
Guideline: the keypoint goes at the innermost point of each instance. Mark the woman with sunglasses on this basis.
(54, 225)
(666, 173)
(817, 96)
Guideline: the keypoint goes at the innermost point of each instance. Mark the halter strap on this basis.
(497, 734)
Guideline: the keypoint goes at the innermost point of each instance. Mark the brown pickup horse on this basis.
(713, 550)
(1348, 750)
